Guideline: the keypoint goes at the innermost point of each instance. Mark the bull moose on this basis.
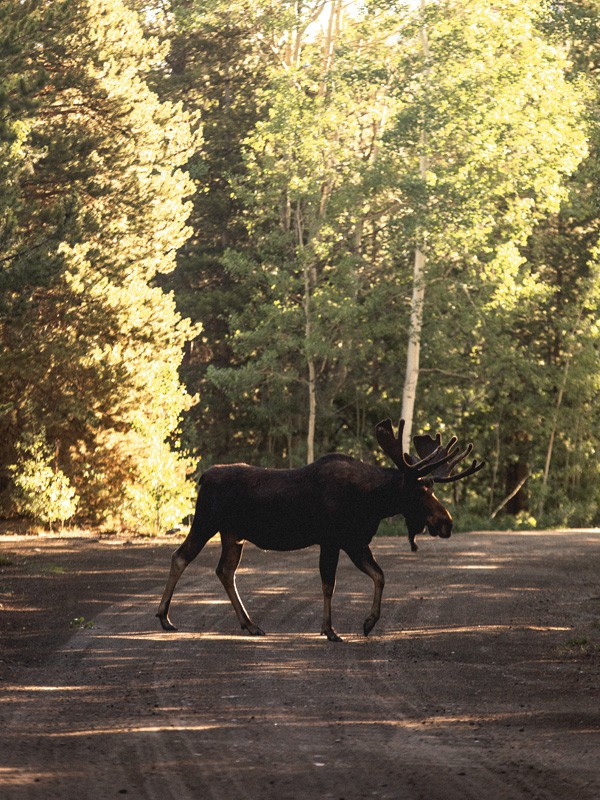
(337, 502)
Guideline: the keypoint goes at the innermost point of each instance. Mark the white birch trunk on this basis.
(310, 279)
(312, 372)
(409, 393)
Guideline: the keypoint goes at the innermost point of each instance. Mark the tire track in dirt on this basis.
(466, 773)
(466, 647)
(264, 704)
(469, 630)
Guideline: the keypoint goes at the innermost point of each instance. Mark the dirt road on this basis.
(482, 678)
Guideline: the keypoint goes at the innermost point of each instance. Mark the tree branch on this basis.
(510, 497)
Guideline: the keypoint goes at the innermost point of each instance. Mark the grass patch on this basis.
(580, 646)
(394, 526)
(53, 569)
(81, 622)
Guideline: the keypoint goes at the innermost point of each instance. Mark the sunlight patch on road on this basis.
(15, 776)
(153, 636)
(432, 631)
(204, 601)
(24, 689)
(127, 729)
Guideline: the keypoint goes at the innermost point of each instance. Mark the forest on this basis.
(248, 230)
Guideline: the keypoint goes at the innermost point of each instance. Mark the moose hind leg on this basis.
(228, 563)
(363, 559)
(184, 554)
(328, 562)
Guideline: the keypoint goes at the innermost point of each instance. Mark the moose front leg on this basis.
(228, 563)
(363, 559)
(328, 562)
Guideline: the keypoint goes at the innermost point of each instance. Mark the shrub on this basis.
(43, 492)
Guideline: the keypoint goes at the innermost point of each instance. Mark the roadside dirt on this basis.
(482, 677)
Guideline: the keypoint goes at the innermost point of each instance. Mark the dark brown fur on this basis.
(336, 503)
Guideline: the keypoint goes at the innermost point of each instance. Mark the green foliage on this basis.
(311, 196)
(502, 326)
(97, 208)
(498, 141)
(81, 622)
(162, 494)
(245, 292)
(313, 137)
(43, 492)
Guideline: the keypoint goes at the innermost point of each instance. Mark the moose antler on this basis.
(426, 446)
(390, 444)
(417, 468)
(435, 460)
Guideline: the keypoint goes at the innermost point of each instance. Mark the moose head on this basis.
(434, 463)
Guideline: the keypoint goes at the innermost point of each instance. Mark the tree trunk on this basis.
(334, 26)
(312, 412)
(310, 279)
(409, 393)
(516, 475)
(312, 372)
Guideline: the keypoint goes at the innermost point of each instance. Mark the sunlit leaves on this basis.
(91, 349)
(500, 119)
(42, 490)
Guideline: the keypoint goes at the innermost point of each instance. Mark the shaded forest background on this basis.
(249, 230)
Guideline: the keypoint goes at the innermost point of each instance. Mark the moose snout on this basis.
(440, 527)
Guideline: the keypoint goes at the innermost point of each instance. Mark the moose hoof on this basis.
(166, 623)
(368, 626)
(331, 635)
(253, 629)
(413, 547)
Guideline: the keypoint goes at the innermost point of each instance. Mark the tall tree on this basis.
(90, 348)
(491, 126)
(311, 198)
(216, 62)
(413, 346)
(338, 142)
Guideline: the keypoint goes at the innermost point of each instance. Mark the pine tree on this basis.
(312, 195)
(90, 347)
(337, 143)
